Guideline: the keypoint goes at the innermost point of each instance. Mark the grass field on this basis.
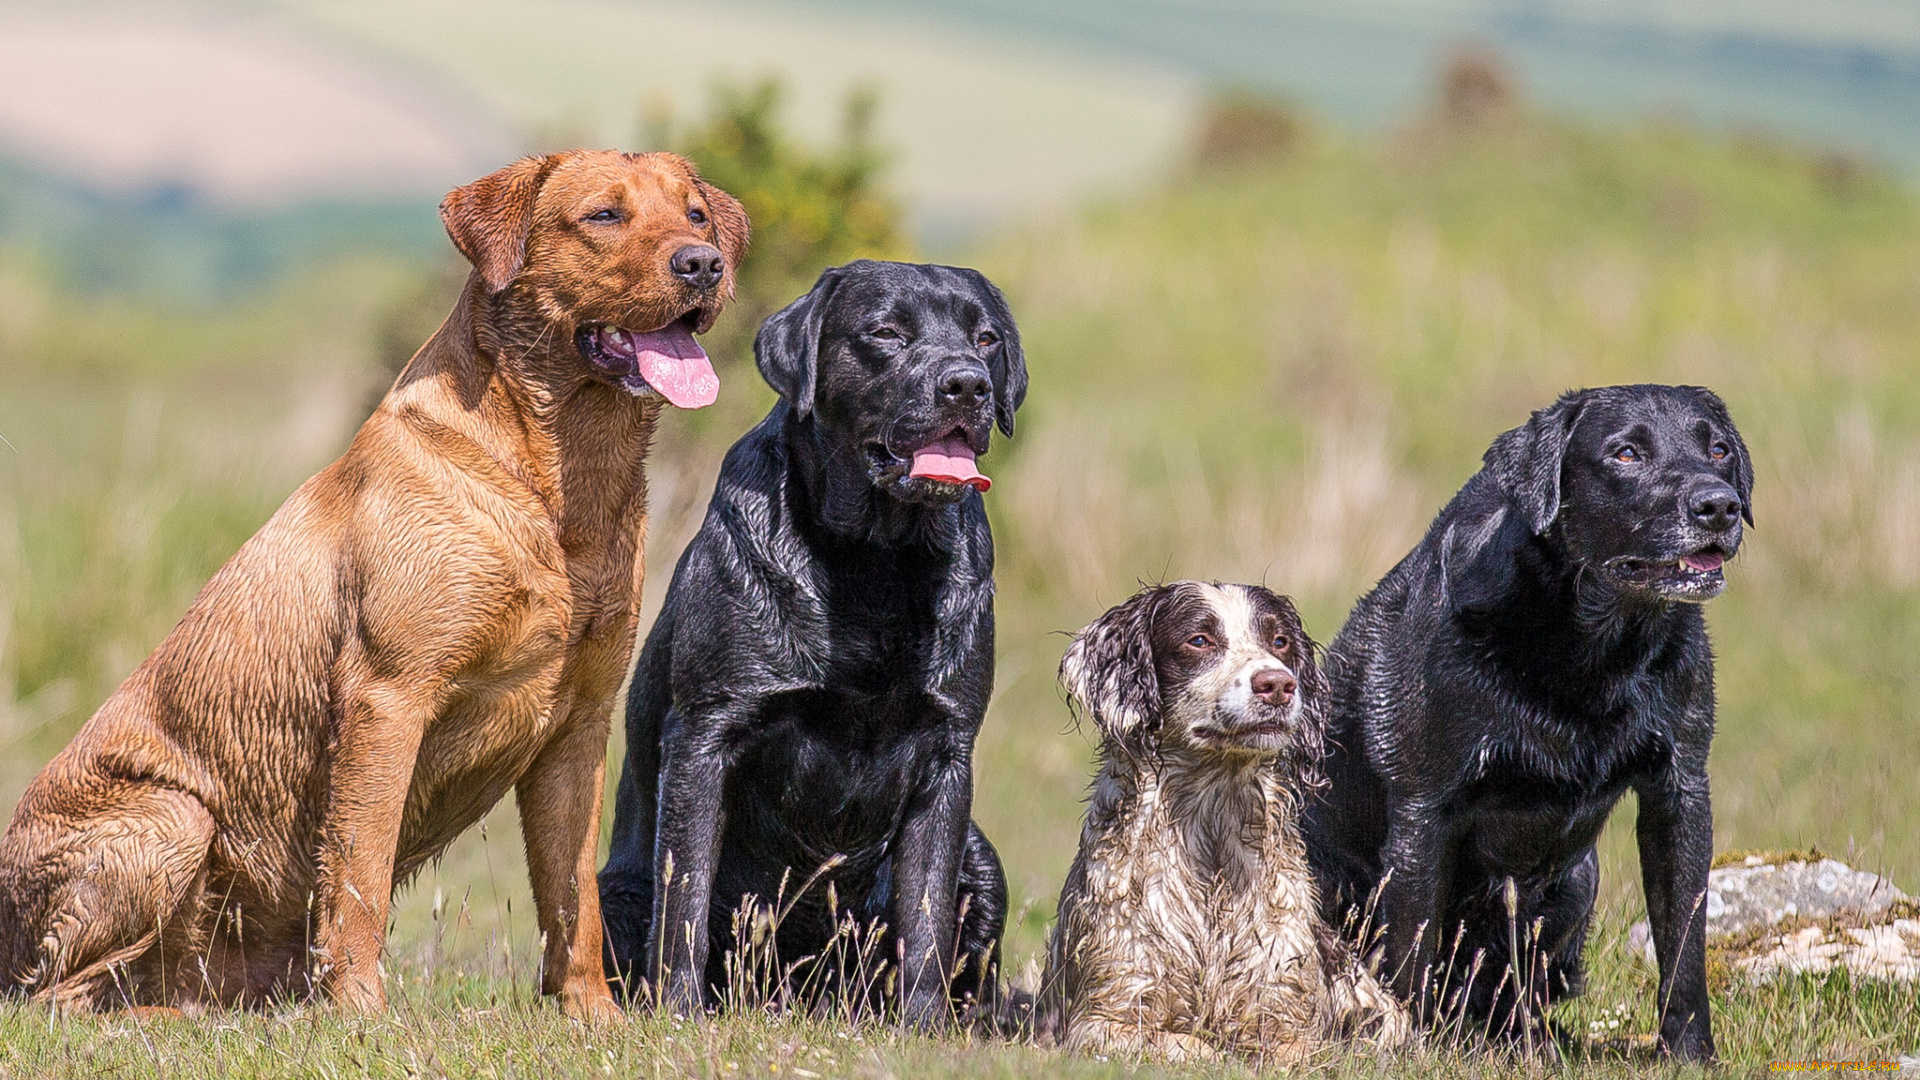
(1275, 371)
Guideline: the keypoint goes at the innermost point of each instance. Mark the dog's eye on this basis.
(1627, 454)
(1280, 643)
(603, 215)
(987, 339)
(885, 333)
(1200, 641)
(1719, 451)
(697, 215)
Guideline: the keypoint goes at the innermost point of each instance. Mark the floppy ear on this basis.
(1526, 461)
(730, 221)
(1313, 682)
(1315, 695)
(1742, 463)
(1477, 558)
(489, 219)
(1009, 367)
(787, 348)
(1109, 671)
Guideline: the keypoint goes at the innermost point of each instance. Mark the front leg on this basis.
(693, 772)
(1675, 831)
(559, 797)
(1361, 1008)
(376, 742)
(926, 885)
(1411, 902)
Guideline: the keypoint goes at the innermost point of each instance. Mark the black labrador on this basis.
(801, 723)
(1539, 653)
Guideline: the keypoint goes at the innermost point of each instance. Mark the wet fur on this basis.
(821, 667)
(441, 615)
(1500, 690)
(1189, 923)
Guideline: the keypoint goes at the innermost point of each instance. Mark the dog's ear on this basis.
(787, 348)
(730, 222)
(1009, 367)
(1314, 687)
(1109, 669)
(1742, 464)
(1478, 557)
(1315, 695)
(489, 220)
(1526, 462)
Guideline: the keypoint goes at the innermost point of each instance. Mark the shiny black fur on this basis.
(1539, 653)
(814, 683)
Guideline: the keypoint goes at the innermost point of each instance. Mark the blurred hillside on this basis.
(190, 148)
(196, 147)
(1842, 71)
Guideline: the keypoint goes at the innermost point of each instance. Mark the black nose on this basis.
(1715, 507)
(1273, 686)
(698, 265)
(965, 385)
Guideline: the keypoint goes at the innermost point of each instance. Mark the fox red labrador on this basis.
(442, 614)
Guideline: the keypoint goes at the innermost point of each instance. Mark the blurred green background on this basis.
(1282, 272)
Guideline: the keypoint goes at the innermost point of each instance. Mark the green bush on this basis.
(811, 208)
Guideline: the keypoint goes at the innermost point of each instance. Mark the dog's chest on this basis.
(1537, 796)
(834, 770)
(1207, 903)
(560, 641)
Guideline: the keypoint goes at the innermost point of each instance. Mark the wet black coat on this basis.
(1541, 652)
(814, 684)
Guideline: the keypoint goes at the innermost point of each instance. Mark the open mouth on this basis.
(946, 462)
(667, 361)
(1696, 576)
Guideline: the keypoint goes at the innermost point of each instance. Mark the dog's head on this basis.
(907, 366)
(1205, 667)
(620, 259)
(1647, 485)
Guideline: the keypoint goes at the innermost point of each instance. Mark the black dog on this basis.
(808, 700)
(1541, 651)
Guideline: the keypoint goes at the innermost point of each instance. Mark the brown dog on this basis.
(444, 613)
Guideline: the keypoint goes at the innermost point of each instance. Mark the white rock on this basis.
(1758, 894)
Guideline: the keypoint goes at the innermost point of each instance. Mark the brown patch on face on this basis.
(1187, 637)
(1278, 624)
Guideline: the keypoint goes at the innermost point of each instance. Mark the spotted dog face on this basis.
(1201, 666)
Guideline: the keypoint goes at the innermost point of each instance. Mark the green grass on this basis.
(1276, 372)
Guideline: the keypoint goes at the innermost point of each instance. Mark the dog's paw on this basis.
(594, 1006)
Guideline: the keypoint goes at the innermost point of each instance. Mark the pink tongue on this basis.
(1705, 561)
(675, 364)
(951, 460)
